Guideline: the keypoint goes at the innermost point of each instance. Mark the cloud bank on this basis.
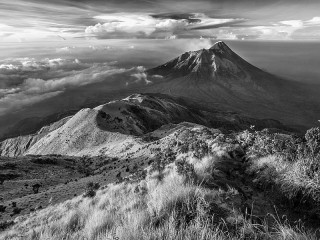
(27, 81)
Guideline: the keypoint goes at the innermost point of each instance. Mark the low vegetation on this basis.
(223, 187)
(31, 182)
(287, 162)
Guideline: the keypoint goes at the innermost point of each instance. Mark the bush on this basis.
(312, 137)
(5, 224)
(91, 189)
(186, 170)
(2, 208)
(263, 143)
(158, 165)
(200, 148)
(35, 188)
(83, 167)
(16, 210)
(161, 160)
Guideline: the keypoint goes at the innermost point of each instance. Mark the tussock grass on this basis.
(152, 209)
(292, 178)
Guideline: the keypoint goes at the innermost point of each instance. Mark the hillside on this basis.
(110, 128)
(199, 184)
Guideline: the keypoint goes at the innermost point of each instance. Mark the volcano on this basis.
(218, 77)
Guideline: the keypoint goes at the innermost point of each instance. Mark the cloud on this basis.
(133, 25)
(13, 102)
(293, 23)
(61, 20)
(91, 75)
(281, 30)
(314, 21)
(141, 75)
(56, 76)
(291, 27)
(171, 37)
(127, 25)
(14, 71)
(65, 49)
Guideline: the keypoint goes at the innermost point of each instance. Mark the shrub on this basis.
(158, 165)
(2, 208)
(312, 150)
(91, 189)
(5, 224)
(161, 160)
(16, 210)
(119, 177)
(83, 167)
(200, 148)
(263, 143)
(35, 188)
(312, 137)
(186, 170)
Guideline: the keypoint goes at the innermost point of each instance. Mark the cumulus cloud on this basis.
(288, 28)
(126, 25)
(281, 30)
(21, 65)
(141, 75)
(314, 21)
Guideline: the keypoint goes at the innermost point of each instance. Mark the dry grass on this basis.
(292, 177)
(151, 209)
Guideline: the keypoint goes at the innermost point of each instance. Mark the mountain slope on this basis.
(201, 184)
(112, 127)
(219, 77)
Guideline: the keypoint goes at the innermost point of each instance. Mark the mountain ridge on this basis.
(108, 128)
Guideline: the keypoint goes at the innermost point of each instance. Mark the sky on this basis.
(51, 48)
(46, 20)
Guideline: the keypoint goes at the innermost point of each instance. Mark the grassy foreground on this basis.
(214, 195)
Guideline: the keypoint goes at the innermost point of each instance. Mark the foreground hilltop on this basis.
(195, 183)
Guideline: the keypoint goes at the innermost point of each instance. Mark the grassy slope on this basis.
(220, 203)
(61, 178)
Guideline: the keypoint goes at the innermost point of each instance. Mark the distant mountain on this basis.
(217, 61)
(219, 77)
(112, 127)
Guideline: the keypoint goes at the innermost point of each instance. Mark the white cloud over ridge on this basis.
(141, 76)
